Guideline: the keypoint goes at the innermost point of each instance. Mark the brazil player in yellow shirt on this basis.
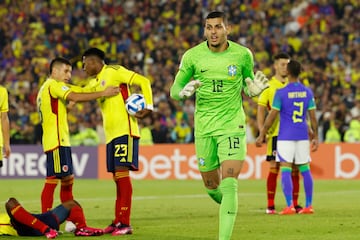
(218, 71)
(5, 149)
(52, 101)
(121, 130)
(279, 80)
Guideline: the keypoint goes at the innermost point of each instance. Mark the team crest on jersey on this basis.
(65, 88)
(232, 70)
(65, 168)
(201, 161)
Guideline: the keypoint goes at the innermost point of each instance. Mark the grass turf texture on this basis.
(181, 209)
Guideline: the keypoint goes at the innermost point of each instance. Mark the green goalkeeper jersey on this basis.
(219, 108)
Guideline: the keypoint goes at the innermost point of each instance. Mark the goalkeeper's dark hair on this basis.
(294, 68)
(281, 55)
(58, 61)
(94, 52)
(217, 14)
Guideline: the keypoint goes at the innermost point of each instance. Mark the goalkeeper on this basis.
(223, 70)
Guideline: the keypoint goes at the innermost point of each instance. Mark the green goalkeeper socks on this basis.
(215, 194)
(228, 207)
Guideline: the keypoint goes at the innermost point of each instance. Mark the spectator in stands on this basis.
(158, 37)
(352, 134)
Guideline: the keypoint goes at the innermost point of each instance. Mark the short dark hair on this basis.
(281, 55)
(294, 68)
(217, 14)
(94, 52)
(57, 61)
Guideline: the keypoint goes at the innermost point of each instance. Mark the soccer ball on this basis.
(70, 227)
(135, 103)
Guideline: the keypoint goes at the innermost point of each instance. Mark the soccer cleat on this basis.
(122, 230)
(51, 233)
(270, 210)
(288, 211)
(112, 227)
(298, 208)
(88, 231)
(307, 210)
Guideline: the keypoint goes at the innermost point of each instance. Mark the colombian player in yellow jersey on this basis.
(4, 125)
(279, 80)
(121, 129)
(51, 103)
(19, 222)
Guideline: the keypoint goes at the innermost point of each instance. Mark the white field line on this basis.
(156, 197)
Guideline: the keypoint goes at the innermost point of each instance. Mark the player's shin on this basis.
(286, 183)
(308, 183)
(228, 207)
(47, 194)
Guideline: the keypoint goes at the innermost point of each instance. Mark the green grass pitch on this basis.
(180, 210)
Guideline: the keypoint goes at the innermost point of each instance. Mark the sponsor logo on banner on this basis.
(29, 161)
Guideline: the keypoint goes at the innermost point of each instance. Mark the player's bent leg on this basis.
(76, 216)
(211, 181)
(21, 215)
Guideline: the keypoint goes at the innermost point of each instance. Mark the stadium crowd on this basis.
(150, 37)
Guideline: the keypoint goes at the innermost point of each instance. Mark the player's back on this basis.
(293, 102)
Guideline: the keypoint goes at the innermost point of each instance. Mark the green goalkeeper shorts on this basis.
(212, 151)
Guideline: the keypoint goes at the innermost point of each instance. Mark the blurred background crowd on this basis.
(150, 37)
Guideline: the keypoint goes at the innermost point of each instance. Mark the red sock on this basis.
(66, 190)
(47, 194)
(296, 186)
(271, 186)
(77, 217)
(123, 197)
(24, 217)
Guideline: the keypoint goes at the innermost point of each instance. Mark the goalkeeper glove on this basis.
(257, 85)
(189, 88)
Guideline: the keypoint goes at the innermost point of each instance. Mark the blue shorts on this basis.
(59, 162)
(122, 151)
(51, 218)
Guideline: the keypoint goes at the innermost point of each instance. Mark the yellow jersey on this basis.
(117, 122)
(266, 99)
(51, 105)
(6, 229)
(4, 107)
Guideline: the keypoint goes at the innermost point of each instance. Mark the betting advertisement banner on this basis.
(178, 161)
